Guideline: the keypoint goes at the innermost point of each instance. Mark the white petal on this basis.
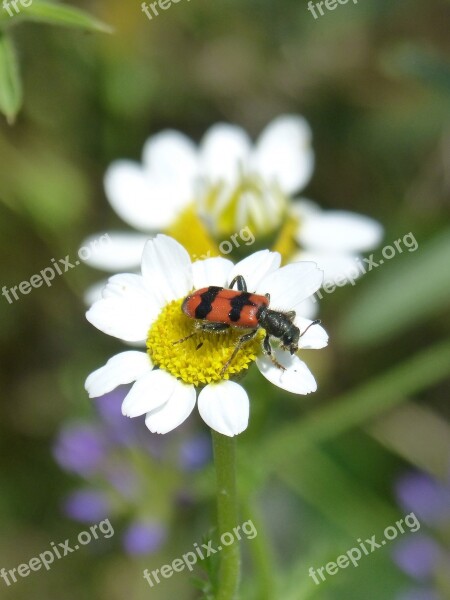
(291, 284)
(312, 337)
(175, 411)
(308, 308)
(256, 267)
(126, 310)
(149, 392)
(339, 231)
(140, 199)
(120, 319)
(211, 271)
(115, 251)
(167, 268)
(130, 287)
(297, 378)
(225, 407)
(284, 154)
(337, 268)
(304, 207)
(170, 156)
(224, 149)
(120, 369)
(94, 292)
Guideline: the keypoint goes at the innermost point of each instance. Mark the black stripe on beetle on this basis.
(205, 306)
(237, 304)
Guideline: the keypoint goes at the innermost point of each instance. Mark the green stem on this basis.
(261, 552)
(227, 514)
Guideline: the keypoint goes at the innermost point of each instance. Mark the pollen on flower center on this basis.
(200, 359)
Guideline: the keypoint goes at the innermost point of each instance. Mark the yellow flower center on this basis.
(286, 243)
(190, 231)
(200, 359)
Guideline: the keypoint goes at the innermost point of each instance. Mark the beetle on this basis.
(216, 309)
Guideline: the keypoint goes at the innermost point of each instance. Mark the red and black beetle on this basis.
(217, 309)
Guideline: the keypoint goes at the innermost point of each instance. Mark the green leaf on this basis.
(55, 14)
(354, 409)
(10, 83)
(352, 507)
(411, 289)
(425, 442)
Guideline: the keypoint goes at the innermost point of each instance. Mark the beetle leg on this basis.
(242, 340)
(212, 327)
(267, 348)
(241, 285)
(185, 338)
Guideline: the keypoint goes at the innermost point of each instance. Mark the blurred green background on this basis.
(373, 80)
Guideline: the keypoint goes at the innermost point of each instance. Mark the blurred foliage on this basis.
(10, 84)
(318, 472)
(41, 12)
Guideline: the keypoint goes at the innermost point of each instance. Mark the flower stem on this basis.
(227, 514)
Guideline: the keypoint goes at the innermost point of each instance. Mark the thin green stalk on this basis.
(263, 560)
(227, 514)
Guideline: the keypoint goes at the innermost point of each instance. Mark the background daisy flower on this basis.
(147, 309)
(176, 174)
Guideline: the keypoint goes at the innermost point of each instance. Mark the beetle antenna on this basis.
(316, 322)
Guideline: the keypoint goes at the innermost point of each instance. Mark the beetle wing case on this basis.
(221, 305)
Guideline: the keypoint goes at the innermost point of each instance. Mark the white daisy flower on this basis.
(175, 174)
(147, 308)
